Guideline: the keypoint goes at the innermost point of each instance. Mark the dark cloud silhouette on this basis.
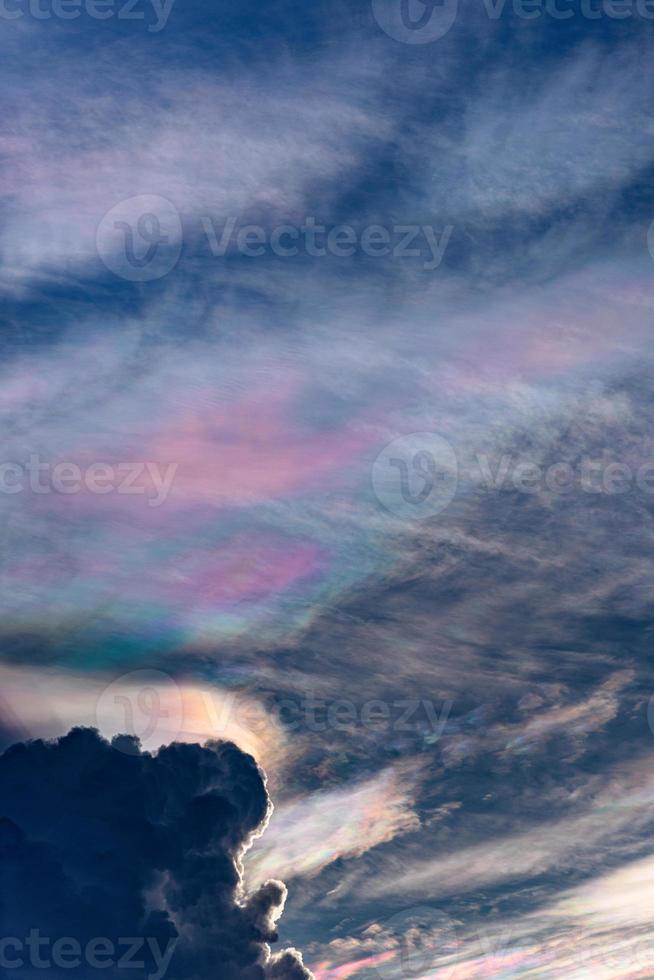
(111, 857)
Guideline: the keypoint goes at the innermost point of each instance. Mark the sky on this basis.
(327, 414)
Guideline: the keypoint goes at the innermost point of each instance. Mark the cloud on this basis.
(101, 842)
(213, 144)
(149, 704)
(307, 834)
(572, 722)
(611, 820)
(534, 149)
(601, 928)
(273, 383)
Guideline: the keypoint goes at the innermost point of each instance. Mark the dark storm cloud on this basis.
(102, 845)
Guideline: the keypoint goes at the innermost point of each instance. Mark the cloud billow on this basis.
(101, 848)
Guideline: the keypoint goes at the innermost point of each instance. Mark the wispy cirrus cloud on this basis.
(615, 816)
(307, 834)
(272, 384)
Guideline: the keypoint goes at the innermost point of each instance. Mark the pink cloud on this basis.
(246, 568)
(325, 971)
(250, 452)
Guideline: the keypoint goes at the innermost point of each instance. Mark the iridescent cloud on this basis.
(307, 834)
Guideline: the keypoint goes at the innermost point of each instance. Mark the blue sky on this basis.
(479, 293)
